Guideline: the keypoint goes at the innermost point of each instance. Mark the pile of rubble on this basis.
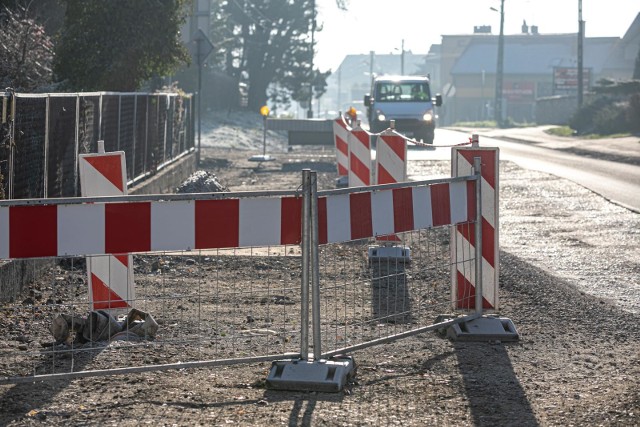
(201, 182)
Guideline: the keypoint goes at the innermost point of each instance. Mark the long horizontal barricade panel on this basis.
(359, 213)
(133, 224)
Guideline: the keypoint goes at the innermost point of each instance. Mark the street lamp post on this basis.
(500, 69)
(580, 56)
(313, 30)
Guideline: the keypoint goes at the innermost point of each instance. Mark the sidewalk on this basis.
(625, 149)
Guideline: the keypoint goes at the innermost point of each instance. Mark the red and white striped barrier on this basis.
(341, 139)
(359, 157)
(111, 284)
(129, 227)
(367, 214)
(462, 241)
(391, 158)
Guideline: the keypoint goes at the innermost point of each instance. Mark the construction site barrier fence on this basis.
(247, 286)
(42, 135)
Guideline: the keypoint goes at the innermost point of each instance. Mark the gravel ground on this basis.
(570, 269)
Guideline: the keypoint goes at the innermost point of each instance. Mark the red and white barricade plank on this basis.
(367, 214)
(462, 241)
(111, 283)
(129, 227)
(391, 158)
(359, 158)
(341, 139)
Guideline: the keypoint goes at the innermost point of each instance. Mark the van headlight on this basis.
(428, 116)
(381, 116)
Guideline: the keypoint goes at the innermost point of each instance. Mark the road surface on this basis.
(615, 181)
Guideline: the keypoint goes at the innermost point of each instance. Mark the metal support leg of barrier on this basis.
(302, 374)
(482, 328)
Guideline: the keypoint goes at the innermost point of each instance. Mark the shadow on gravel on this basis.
(303, 404)
(16, 402)
(495, 395)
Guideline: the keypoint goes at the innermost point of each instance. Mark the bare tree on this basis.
(26, 52)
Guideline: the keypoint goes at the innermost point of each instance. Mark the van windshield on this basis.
(402, 92)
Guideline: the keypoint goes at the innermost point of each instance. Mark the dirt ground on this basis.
(577, 361)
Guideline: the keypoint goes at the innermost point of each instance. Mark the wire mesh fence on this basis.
(189, 307)
(367, 298)
(42, 135)
(220, 292)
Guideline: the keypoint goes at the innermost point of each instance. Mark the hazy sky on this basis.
(380, 25)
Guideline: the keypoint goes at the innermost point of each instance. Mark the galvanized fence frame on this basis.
(309, 276)
(42, 135)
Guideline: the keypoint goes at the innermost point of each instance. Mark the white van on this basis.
(408, 101)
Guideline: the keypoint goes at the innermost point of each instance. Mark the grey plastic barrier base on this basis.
(342, 182)
(398, 253)
(486, 328)
(303, 375)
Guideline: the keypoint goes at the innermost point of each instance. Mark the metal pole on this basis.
(313, 31)
(46, 148)
(402, 59)
(198, 44)
(580, 54)
(306, 245)
(315, 268)
(477, 168)
(264, 136)
(500, 69)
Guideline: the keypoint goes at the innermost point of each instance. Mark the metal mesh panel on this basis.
(366, 298)
(5, 142)
(89, 124)
(110, 124)
(160, 151)
(155, 149)
(30, 127)
(62, 155)
(141, 126)
(215, 305)
(127, 131)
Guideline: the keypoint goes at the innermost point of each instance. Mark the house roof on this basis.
(533, 54)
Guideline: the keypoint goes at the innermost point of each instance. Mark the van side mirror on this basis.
(438, 100)
(367, 100)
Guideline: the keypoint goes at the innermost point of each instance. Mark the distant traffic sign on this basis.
(200, 47)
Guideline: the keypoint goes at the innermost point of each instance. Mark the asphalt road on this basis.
(615, 181)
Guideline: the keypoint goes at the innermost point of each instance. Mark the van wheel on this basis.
(426, 135)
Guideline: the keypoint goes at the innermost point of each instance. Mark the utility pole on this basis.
(500, 69)
(580, 54)
(313, 30)
(402, 59)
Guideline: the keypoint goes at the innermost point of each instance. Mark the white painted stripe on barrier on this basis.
(458, 198)
(422, 213)
(466, 251)
(260, 221)
(84, 221)
(173, 225)
(488, 192)
(4, 233)
(382, 212)
(338, 218)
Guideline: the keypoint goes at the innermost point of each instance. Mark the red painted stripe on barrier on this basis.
(488, 159)
(384, 177)
(360, 213)
(397, 144)
(103, 297)
(360, 170)
(110, 167)
(124, 259)
(440, 204)
(488, 243)
(467, 294)
(33, 231)
(323, 234)
(402, 209)
(291, 221)
(217, 223)
(342, 145)
(342, 170)
(127, 227)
